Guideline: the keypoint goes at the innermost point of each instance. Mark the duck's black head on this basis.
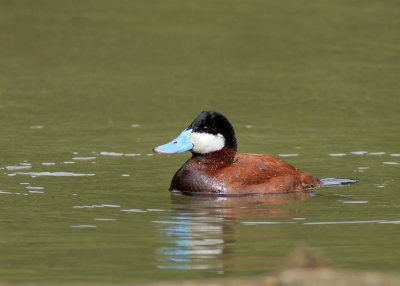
(211, 131)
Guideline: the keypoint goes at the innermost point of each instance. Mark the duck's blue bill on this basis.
(179, 144)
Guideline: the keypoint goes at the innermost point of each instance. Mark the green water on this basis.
(84, 83)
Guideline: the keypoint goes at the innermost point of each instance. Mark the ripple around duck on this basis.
(12, 168)
(96, 206)
(111, 154)
(84, 226)
(337, 154)
(265, 223)
(84, 158)
(53, 174)
(288, 155)
(337, 182)
(391, 163)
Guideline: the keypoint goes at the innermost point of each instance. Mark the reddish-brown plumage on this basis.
(216, 168)
(226, 173)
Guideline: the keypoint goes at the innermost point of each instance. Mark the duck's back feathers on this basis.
(247, 174)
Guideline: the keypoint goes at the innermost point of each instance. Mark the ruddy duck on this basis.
(216, 169)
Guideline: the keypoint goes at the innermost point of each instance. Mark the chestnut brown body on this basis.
(227, 173)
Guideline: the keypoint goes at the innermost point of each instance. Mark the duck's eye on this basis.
(204, 128)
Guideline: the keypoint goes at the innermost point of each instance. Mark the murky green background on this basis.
(87, 88)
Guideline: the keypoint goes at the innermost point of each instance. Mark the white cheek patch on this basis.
(204, 143)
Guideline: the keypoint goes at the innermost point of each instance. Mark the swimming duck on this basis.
(215, 167)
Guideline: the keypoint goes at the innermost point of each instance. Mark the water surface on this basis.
(88, 88)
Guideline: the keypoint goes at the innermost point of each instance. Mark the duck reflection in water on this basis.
(204, 231)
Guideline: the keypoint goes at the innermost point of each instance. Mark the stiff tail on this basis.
(337, 182)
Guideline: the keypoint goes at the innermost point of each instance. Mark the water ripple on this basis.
(381, 221)
(111, 154)
(288, 155)
(53, 174)
(11, 168)
(96, 206)
(390, 163)
(83, 226)
(337, 182)
(359, 152)
(337, 154)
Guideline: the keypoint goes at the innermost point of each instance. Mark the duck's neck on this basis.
(215, 160)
